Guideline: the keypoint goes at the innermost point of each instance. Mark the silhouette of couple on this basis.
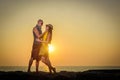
(40, 46)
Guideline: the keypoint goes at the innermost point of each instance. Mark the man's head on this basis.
(40, 22)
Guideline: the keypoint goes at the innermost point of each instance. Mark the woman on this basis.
(44, 53)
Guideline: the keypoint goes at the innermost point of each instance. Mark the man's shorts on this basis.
(35, 51)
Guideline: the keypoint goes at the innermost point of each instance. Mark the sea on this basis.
(58, 68)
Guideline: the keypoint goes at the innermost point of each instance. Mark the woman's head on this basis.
(49, 27)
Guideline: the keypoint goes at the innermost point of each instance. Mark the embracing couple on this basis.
(40, 46)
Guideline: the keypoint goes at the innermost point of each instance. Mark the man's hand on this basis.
(43, 34)
(38, 40)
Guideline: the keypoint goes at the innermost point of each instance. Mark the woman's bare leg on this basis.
(45, 62)
(48, 63)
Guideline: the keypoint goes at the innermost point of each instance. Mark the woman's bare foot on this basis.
(54, 70)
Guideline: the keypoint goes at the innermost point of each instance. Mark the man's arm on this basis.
(41, 35)
(47, 41)
(37, 33)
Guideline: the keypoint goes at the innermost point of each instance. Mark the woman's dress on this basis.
(44, 46)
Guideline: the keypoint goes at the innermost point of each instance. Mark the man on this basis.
(37, 33)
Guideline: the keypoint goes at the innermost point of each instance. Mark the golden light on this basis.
(51, 48)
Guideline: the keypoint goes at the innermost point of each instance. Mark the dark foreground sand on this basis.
(63, 75)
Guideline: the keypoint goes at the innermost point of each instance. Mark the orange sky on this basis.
(86, 33)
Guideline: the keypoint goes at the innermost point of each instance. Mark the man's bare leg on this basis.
(37, 65)
(30, 64)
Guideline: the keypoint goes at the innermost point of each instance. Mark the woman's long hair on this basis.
(50, 31)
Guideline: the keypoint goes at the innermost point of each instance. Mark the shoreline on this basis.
(58, 68)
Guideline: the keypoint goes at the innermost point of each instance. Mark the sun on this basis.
(51, 48)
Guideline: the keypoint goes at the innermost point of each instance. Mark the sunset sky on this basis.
(86, 32)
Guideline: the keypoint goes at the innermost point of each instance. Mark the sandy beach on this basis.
(63, 75)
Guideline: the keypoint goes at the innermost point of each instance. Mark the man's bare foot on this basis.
(28, 70)
(37, 71)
